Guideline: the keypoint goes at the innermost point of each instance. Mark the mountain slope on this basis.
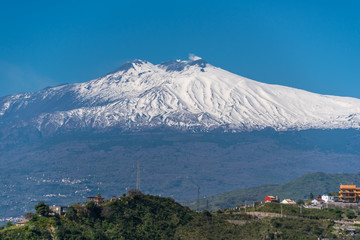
(183, 94)
(67, 168)
(317, 183)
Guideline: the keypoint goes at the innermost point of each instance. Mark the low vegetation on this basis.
(296, 210)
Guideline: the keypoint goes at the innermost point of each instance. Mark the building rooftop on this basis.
(347, 186)
(23, 221)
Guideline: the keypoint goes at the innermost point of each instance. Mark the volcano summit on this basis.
(188, 94)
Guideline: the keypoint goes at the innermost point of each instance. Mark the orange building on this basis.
(349, 193)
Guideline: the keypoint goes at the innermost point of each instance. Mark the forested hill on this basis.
(300, 188)
(139, 216)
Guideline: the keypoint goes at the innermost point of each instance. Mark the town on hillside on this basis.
(338, 212)
(347, 197)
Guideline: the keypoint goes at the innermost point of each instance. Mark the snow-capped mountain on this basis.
(182, 94)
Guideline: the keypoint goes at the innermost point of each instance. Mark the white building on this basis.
(288, 201)
(316, 202)
(327, 198)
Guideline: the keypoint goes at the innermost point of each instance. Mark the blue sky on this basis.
(311, 45)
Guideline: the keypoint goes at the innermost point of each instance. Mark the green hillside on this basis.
(316, 183)
(139, 216)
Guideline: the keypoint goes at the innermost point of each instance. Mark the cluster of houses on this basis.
(61, 210)
(277, 200)
(347, 194)
(324, 199)
(317, 201)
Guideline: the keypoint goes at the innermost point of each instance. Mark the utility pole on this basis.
(198, 199)
(138, 176)
(281, 210)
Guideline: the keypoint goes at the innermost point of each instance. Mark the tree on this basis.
(106, 212)
(134, 192)
(311, 196)
(350, 214)
(9, 224)
(93, 210)
(206, 213)
(319, 196)
(42, 209)
(300, 202)
(29, 215)
(71, 213)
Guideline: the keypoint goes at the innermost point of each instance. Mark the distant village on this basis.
(61, 210)
(347, 197)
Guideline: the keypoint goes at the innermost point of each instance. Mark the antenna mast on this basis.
(138, 176)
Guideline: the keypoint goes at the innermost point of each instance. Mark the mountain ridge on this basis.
(186, 95)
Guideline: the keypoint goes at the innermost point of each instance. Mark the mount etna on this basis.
(190, 125)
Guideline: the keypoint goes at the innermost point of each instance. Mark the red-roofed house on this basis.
(271, 199)
(317, 201)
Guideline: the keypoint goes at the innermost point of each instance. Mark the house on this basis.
(271, 199)
(22, 223)
(327, 198)
(288, 201)
(60, 210)
(317, 201)
(98, 200)
(113, 198)
(349, 193)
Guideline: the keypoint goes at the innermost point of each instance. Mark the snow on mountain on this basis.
(182, 94)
